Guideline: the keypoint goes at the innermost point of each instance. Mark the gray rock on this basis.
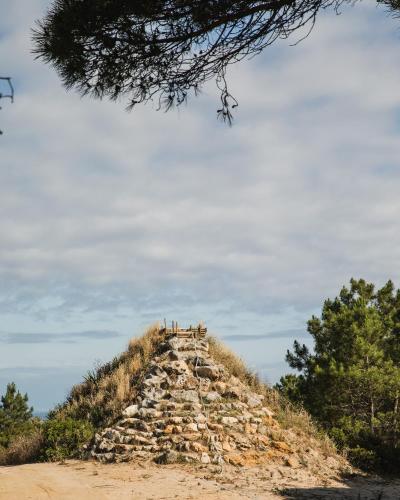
(178, 367)
(106, 446)
(211, 371)
(267, 412)
(178, 344)
(181, 381)
(112, 434)
(200, 361)
(106, 457)
(190, 396)
(152, 381)
(152, 395)
(131, 411)
(142, 426)
(253, 402)
(192, 427)
(229, 420)
(149, 413)
(169, 457)
(213, 396)
(174, 355)
(233, 392)
(218, 460)
(175, 420)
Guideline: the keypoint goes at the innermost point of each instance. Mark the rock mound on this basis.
(189, 408)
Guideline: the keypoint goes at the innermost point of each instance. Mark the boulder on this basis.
(211, 371)
(169, 457)
(253, 401)
(212, 396)
(235, 459)
(229, 421)
(190, 396)
(192, 427)
(131, 411)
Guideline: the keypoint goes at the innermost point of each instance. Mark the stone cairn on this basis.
(188, 409)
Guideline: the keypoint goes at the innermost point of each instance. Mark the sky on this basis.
(111, 221)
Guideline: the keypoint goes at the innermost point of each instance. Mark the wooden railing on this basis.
(198, 331)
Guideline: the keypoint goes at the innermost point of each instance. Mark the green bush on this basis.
(363, 458)
(23, 448)
(24, 438)
(65, 438)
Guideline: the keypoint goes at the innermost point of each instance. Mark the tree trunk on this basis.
(372, 415)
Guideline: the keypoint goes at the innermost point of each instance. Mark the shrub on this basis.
(23, 448)
(365, 459)
(65, 438)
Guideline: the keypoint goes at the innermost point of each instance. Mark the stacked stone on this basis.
(188, 408)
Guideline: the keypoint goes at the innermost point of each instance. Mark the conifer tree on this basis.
(15, 414)
(165, 50)
(350, 382)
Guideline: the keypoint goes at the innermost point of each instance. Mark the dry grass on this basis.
(235, 365)
(22, 449)
(108, 389)
(290, 417)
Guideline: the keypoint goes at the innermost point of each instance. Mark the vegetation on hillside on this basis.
(99, 400)
(291, 416)
(109, 388)
(20, 436)
(350, 381)
(24, 438)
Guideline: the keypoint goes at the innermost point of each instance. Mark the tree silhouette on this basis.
(165, 49)
(10, 91)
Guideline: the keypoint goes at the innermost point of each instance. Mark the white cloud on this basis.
(177, 214)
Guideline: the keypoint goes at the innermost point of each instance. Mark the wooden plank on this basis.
(199, 331)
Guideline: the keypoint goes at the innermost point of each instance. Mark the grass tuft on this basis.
(109, 388)
(290, 417)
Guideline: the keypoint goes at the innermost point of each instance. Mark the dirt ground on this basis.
(91, 480)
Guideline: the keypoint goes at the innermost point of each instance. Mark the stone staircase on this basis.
(188, 409)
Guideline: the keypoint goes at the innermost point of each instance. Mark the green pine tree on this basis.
(15, 414)
(350, 381)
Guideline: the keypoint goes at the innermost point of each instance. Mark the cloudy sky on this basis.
(110, 221)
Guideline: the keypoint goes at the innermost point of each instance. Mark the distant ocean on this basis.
(41, 414)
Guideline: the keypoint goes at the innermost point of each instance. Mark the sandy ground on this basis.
(89, 480)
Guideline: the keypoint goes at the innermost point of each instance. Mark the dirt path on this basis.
(93, 481)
